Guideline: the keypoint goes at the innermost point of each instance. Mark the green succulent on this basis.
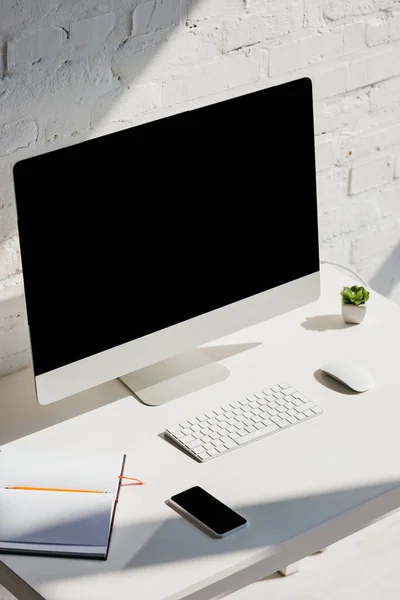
(354, 295)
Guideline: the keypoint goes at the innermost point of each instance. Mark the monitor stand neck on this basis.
(175, 377)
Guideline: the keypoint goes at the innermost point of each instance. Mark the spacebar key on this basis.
(257, 434)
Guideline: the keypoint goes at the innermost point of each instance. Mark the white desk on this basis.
(301, 489)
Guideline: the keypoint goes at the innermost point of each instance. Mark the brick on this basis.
(397, 168)
(385, 93)
(74, 123)
(324, 153)
(14, 136)
(209, 9)
(389, 201)
(335, 114)
(8, 220)
(338, 9)
(337, 249)
(249, 30)
(359, 146)
(298, 53)
(330, 82)
(347, 218)
(395, 27)
(381, 240)
(314, 13)
(378, 31)
(154, 15)
(228, 73)
(10, 259)
(354, 38)
(371, 174)
(43, 44)
(179, 53)
(125, 105)
(332, 187)
(13, 14)
(92, 31)
(373, 67)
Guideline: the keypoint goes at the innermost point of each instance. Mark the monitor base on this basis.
(174, 377)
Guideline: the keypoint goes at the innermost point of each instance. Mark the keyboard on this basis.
(234, 425)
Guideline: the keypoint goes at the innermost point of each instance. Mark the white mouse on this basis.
(352, 375)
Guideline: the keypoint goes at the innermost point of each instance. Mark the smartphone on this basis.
(207, 512)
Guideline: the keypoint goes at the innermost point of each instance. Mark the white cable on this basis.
(346, 268)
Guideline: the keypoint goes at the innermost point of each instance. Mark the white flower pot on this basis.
(353, 313)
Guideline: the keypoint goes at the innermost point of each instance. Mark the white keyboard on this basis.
(233, 425)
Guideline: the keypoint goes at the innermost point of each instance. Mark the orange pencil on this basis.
(38, 489)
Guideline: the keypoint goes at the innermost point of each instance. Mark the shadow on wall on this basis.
(75, 73)
(388, 275)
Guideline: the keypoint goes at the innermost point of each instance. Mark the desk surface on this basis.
(300, 490)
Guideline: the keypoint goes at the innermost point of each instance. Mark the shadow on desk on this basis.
(270, 525)
(24, 415)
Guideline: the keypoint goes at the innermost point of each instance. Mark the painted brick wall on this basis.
(71, 71)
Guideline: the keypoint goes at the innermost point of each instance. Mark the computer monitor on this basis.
(150, 241)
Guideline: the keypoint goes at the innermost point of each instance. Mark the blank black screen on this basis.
(207, 509)
(141, 229)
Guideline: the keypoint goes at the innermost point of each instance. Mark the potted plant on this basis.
(353, 303)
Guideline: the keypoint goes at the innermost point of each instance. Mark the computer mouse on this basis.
(350, 374)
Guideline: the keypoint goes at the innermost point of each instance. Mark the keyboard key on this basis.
(212, 452)
(250, 429)
(293, 420)
(205, 438)
(179, 434)
(283, 423)
(257, 434)
(216, 442)
(222, 448)
(184, 425)
(234, 435)
(231, 444)
(207, 431)
(283, 385)
(278, 395)
(259, 426)
(186, 439)
(204, 455)
(202, 418)
(194, 444)
(306, 406)
(195, 428)
(284, 415)
(208, 446)
(210, 415)
(308, 413)
(187, 431)
(275, 388)
(214, 436)
(267, 422)
(174, 429)
(212, 421)
(288, 390)
(317, 410)
(198, 435)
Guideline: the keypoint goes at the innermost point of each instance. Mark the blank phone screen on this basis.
(207, 509)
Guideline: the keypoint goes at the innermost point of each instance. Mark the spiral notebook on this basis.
(75, 524)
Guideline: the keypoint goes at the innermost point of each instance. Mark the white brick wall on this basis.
(88, 68)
